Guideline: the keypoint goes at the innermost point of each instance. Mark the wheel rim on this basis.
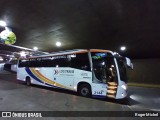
(84, 91)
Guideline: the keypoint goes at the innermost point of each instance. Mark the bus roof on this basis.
(75, 51)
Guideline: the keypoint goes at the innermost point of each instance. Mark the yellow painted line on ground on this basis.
(144, 85)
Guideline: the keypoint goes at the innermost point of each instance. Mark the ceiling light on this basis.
(1, 59)
(123, 48)
(35, 48)
(58, 44)
(2, 23)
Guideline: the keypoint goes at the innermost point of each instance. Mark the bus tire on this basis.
(28, 81)
(84, 90)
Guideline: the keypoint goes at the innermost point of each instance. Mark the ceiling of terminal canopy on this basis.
(78, 24)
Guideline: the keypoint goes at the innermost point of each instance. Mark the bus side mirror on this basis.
(128, 63)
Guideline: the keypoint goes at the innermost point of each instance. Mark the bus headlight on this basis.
(124, 87)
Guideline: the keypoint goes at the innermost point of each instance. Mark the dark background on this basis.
(103, 24)
(146, 71)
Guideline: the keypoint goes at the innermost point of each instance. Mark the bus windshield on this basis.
(104, 67)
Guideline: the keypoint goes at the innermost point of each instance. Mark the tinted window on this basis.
(23, 63)
(55, 61)
(35, 62)
(79, 61)
(122, 69)
(47, 62)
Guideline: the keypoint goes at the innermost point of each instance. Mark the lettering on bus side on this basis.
(66, 71)
(84, 74)
(56, 72)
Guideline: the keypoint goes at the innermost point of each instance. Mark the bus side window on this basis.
(47, 63)
(36, 62)
(23, 63)
(60, 62)
(55, 61)
(80, 61)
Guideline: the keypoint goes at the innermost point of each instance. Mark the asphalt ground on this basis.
(16, 96)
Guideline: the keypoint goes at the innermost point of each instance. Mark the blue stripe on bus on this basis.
(48, 84)
(55, 86)
(32, 75)
(37, 79)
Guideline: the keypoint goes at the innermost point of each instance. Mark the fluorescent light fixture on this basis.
(73, 55)
(58, 44)
(3, 23)
(123, 48)
(22, 54)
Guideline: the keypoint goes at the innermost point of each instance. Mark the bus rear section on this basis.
(66, 70)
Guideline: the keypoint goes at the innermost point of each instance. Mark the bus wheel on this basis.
(84, 90)
(28, 81)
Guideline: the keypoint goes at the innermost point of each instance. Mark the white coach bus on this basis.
(93, 72)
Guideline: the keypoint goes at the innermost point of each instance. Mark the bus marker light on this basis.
(122, 94)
